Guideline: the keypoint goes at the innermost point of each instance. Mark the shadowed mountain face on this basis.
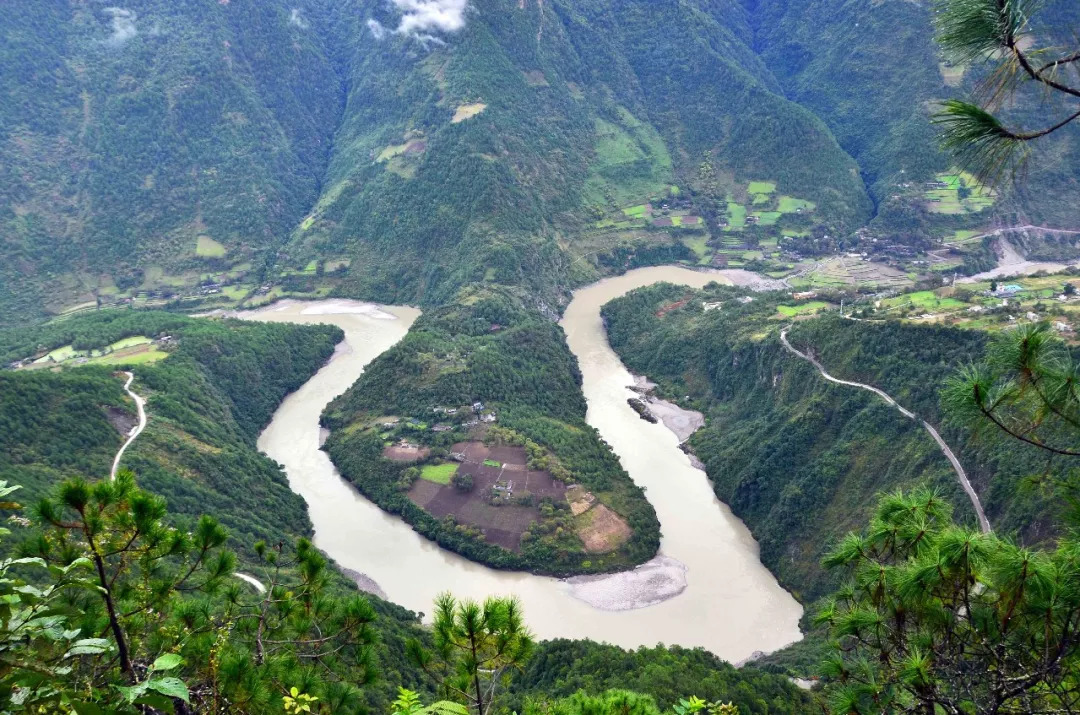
(147, 144)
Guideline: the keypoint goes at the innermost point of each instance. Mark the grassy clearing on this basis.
(700, 249)
(390, 152)
(790, 205)
(139, 358)
(924, 300)
(492, 463)
(131, 342)
(206, 247)
(467, 111)
(639, 211)
(761, 187)
(790, 311)
(963, 236)
(759, 199)
(736, 215)
(439, 473)
(767, 218)
(947, 200)
(632, 162)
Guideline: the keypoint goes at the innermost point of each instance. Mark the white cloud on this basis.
(427, 16)
(421, 18)
(295, 18)
(377, 29)
(123, 25)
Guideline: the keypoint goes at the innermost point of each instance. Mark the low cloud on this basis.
(123, 25)
(297, 19)
(377, 29)
(420, 19)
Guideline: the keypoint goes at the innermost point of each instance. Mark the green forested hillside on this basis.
(801, 460)
(492, 351)
(209, 399)
(560, 668)
(151, 147)
(207, 403)
(131, 131)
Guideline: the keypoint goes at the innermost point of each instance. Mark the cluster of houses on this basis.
(478, 415)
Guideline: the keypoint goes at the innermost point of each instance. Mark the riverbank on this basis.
(707, 588)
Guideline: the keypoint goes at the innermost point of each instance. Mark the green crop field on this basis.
(130, 342)
(636, 211)
(924, 299)
(492, 463)
(790, 311)
(947, 200)
(962, 236)
(206, 247)
(767, 218)
(147, 356)
(700, 249)
(736, 215)
(761, 187)
(790, 205)
(439, 473)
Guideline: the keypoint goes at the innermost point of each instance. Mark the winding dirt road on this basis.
(961, 475)
(137, 430)
(140, 403)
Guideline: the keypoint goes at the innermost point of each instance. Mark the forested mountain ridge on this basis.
(802, 460)
(152, 147)
(210, 397)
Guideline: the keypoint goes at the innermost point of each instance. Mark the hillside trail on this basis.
(140, 403)
(961, 475)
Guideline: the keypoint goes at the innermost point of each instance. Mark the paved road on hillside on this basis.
(961, 475)
(140, 403)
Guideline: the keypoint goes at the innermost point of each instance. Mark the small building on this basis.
(745, 299)
(489, 417)
(442, 427)
(710, 306)
(1034, 317)
(1062, 327)
(1010, 289)
(805, 295)
(478, 406)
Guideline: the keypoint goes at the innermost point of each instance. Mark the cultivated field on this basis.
(500, 475)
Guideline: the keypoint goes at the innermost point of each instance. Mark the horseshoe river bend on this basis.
(707, 586)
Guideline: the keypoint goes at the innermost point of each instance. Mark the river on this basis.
(719, 596)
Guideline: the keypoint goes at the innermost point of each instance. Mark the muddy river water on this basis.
(707, 588)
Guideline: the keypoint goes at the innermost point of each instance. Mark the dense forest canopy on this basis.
(151, 148)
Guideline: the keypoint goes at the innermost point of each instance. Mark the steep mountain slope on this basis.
(874, 74)
(152, 147)
(133, 138)
(502, 145)
(802, 460)
(208, 400)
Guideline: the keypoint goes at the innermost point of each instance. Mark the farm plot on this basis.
(500, 472)
(957, 194)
